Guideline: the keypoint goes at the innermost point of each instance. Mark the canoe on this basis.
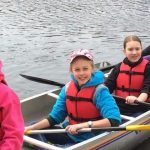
(37, 107)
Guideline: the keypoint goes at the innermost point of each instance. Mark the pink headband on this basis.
(82, 52)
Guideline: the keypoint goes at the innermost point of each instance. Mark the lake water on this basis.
(38, 35)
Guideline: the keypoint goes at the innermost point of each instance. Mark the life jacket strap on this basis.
(132, 72)
(127, 89)
(72, 98)
(83, 119)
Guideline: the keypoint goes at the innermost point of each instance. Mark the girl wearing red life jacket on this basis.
(131, 78)
(85, 100)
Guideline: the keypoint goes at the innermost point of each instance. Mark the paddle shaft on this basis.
(81, 130)
(127, 128)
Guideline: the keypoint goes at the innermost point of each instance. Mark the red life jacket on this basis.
(1, 131)
(81, 108)
(130, 80)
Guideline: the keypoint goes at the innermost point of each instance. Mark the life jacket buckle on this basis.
(131, 72)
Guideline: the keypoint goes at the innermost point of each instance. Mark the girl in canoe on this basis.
(11, 120)
(130, 79)
(84, 100)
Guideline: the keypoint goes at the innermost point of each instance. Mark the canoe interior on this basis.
(37, 107)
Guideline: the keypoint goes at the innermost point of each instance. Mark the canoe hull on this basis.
(38, 107)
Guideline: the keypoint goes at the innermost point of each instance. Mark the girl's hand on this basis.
(28, 128)
(73, 129)
(131, 100)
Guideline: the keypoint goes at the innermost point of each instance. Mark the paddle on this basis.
(127, 128)
(41, 80)
(145, 104)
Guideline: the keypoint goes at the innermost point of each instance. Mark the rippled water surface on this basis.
(38, 35)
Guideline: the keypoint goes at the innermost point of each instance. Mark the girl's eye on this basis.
(85, 68)
(130, 49)
(76, 69)
(137, 48)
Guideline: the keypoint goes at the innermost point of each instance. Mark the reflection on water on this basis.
(37, 36)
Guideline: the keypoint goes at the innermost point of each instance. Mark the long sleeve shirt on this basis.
(11, 124)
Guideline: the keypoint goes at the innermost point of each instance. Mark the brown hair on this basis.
(131, 38)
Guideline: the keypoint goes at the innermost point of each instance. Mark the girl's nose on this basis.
(81, 72)
(134, 51)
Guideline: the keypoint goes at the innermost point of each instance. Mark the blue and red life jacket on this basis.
(130, 80)
(81, 108)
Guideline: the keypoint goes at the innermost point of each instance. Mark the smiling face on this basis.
(82, 69)
(133, 51)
